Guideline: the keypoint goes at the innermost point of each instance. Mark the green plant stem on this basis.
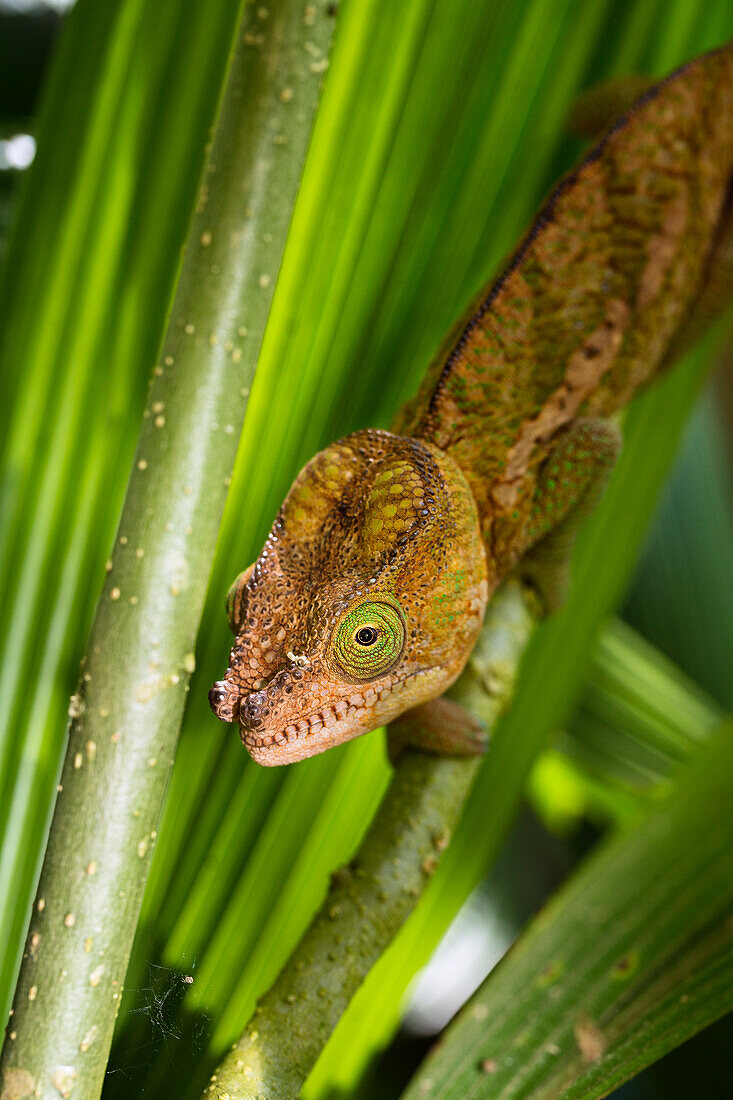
(371, 898)
(126, 717)
(85, 294)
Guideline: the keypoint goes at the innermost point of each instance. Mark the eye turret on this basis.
(369, 639)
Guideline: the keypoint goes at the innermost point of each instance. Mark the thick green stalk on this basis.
(78, 338)
(126, 717)
(371, 898)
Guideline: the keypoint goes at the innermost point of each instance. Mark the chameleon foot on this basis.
(441, 727)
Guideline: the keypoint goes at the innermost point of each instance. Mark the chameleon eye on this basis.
(369, 640)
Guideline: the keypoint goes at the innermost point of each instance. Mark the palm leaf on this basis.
(631, 957)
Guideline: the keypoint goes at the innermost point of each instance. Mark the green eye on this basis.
(369, 640)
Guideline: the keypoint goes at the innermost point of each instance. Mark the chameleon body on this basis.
(371, 589)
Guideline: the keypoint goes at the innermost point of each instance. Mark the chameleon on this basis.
(370, 591)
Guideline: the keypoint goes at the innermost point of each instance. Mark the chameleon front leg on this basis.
(441, 727)
(569, 483)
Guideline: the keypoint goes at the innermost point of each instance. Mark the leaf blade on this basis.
(619, 945)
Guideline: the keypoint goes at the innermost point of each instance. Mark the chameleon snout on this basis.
(257, 707)
(230, 705)
(232, 702)
(224, 700)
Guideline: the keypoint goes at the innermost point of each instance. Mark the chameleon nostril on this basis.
(253, 708)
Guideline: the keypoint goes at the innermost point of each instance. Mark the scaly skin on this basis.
(371, 589)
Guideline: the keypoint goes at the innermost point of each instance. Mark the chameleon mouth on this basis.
(326, 719)
(331, 725)
(303, 738)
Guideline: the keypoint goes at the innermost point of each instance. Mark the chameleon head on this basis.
(366, 600)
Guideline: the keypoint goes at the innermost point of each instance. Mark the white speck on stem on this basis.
(89, 1038)
(63, 1080)
(96, 975)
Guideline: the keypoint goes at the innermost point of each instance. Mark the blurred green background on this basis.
(442, 125)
